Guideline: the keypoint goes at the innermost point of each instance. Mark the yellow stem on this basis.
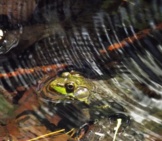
(46, 135)
(119, 121)
(71, 131)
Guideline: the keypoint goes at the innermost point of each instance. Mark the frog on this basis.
(73, 85)
(49, 117)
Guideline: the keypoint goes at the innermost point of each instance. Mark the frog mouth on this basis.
(55, 95)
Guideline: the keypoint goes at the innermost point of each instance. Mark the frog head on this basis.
(72, 84)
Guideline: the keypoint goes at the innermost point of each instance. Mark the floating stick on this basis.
(119, 121)
(46, 135)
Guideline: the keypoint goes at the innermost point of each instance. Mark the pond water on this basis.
(85, 70)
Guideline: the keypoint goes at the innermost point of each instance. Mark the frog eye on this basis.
(70, 87)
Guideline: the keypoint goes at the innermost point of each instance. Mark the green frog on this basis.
(72, 85)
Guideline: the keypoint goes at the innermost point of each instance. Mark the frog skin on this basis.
(72, 85)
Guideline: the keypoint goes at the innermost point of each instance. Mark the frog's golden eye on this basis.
(70, 87)
(65, 74)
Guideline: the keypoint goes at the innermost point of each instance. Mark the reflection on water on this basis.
(114, 46)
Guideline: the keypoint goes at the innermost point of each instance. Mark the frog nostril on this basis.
(69, 87)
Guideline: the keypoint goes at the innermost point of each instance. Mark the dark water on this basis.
(116, 45)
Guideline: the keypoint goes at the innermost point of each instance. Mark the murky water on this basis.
(115, 46)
